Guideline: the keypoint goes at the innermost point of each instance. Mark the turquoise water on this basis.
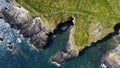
(28, 57)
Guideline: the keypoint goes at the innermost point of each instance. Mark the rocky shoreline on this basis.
(31, 28)
(40, 37)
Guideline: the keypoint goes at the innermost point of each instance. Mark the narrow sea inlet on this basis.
(25, 56)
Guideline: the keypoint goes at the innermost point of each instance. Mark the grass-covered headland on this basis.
(94, 19)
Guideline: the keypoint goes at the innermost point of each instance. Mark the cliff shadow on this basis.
(64, 26)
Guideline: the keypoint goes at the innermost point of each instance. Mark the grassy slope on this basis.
(89, 14)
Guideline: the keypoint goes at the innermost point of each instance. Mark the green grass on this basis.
(88, 14)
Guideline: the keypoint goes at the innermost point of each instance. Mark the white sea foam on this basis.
(103, 66)
(0, 41)
(19, 40)
(57, 64)
(33, 47)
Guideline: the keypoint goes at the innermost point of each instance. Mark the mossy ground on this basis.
(94, 18)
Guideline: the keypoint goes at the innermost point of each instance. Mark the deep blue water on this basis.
(25, 56)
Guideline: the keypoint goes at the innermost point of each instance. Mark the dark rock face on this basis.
(30, 27)
(63, 26)
(117, 28)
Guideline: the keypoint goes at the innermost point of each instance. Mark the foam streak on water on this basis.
(57, 64)
(9, 35)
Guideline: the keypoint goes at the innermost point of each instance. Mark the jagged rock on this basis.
(60, 57)
(110, 60)
(31, 28)
(39, 40)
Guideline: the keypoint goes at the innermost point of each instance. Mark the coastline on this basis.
(72, 49)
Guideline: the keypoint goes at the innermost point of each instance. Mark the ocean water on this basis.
(26, 56)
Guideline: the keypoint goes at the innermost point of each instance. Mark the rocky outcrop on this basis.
(112, 58)
(61, 56)
(31, 28)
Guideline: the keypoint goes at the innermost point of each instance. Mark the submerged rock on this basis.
(9, 46)
(90, 62)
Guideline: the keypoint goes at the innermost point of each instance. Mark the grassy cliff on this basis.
(94, 19)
